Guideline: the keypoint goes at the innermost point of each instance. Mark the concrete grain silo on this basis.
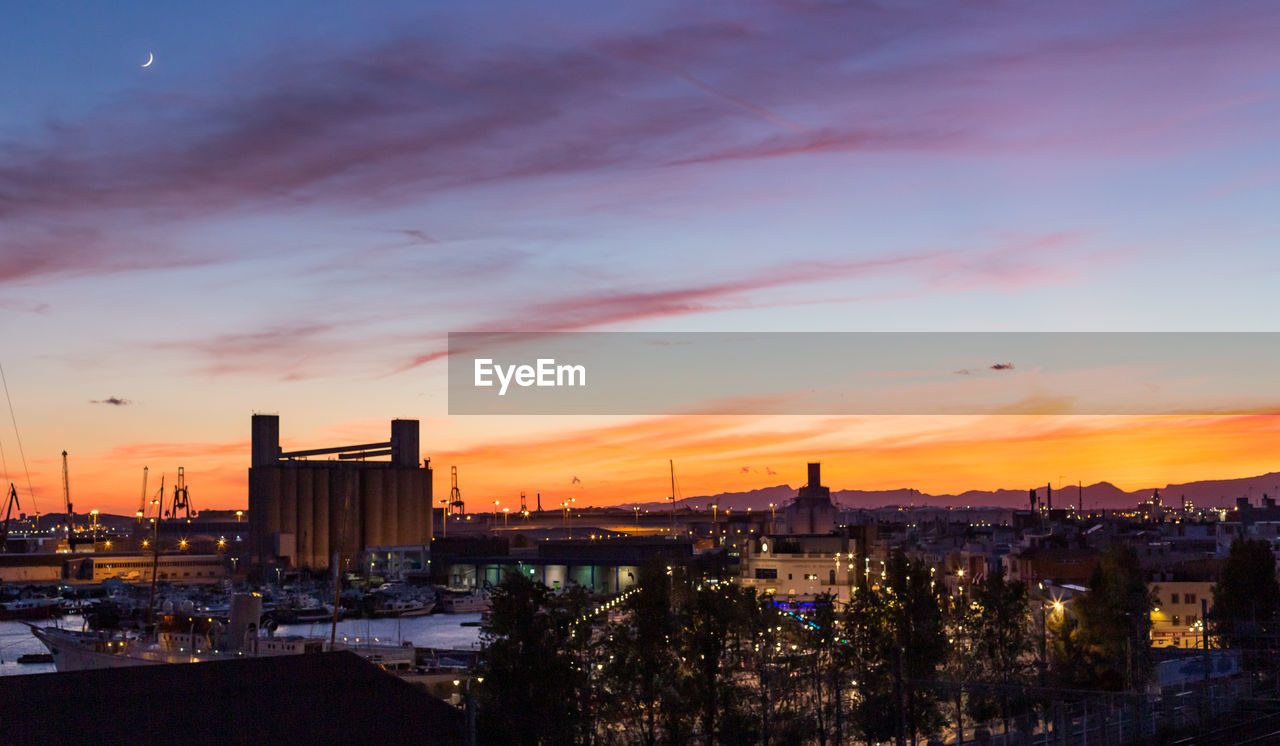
(304, 506)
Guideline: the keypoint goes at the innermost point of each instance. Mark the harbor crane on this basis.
(455, 497)
(11, 503)
(181, 500)
(72, 539)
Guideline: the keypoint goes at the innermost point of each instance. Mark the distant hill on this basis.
(1208, 493)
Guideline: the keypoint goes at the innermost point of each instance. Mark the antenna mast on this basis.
(672, 464)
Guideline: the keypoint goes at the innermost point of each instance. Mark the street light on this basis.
(239, 515)
(505, 513)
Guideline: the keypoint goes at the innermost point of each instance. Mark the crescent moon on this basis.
(150, 58)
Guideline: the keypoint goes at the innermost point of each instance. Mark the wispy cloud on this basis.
(423, 113)
(926, 268)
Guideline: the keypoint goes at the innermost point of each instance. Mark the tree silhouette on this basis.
(1246, 599)
(535, 665)
(1108, 643)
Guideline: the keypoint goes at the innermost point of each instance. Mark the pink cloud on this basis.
(418, 116)
(986, 266)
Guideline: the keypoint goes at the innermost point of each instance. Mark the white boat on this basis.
(404, 607)
(464, 602)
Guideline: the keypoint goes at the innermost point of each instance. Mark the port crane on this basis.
(72, 539)
(455, 497)
(181, 500)
(11, 503)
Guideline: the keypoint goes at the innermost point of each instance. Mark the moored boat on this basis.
(403, 607)
(463, 601)
(185, 638)
(30, 608)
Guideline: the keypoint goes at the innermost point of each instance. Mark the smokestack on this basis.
(1048, 495)
(815, 474)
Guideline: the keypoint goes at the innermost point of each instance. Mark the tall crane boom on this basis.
(11, 503)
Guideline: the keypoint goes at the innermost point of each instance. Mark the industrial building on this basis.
(307, 506)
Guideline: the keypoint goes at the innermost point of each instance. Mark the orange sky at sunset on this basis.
(292, 211)
(625, 460)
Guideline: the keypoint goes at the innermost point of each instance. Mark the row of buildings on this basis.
(817, 549)
(310, 507)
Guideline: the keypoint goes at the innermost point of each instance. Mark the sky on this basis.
(296, 202)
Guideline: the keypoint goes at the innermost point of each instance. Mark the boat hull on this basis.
(17, 612)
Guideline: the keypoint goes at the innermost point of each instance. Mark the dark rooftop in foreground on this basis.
(317, 698)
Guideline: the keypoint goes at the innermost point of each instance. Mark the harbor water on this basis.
(434, 631)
